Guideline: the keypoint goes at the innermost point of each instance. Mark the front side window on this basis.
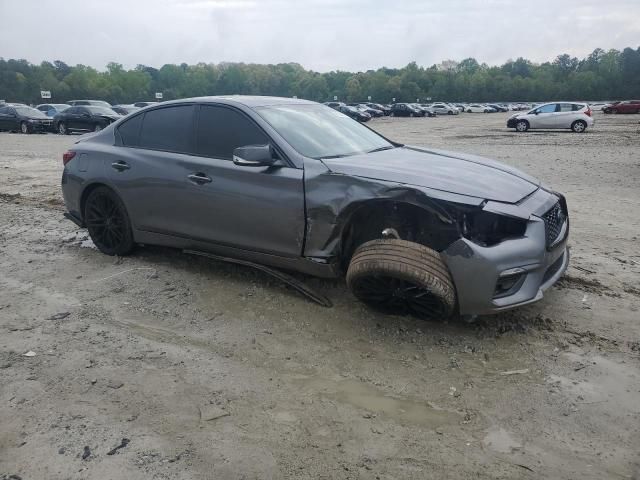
(547, 108)
(168, 129)
(221, 130)
(319, 132)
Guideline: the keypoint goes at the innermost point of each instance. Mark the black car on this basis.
(363, 107)
(144, 104)
(84, 118)
(97, 103)
(383, 108)
(125, 109)
(20, 118)
(406, 110)
(335, 105)
(498, 107)
(354, 113)
(52, 109)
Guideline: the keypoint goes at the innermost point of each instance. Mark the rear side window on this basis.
(169, 129)
(221, 130)
(130, 131)
(568, 107)
(576, 107)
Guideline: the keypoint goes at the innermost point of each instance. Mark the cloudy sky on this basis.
(319, 34)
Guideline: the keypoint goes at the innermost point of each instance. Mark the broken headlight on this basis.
(487, 229)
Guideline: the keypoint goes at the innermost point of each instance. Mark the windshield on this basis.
(318, 131)
(29, 112)
(100, 110)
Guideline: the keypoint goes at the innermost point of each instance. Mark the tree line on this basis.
(602, 75)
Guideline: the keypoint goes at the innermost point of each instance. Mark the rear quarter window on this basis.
(129, 131)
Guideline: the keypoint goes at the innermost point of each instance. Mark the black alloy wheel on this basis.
(108, 223)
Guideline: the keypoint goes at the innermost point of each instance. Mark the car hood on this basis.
(453, 172)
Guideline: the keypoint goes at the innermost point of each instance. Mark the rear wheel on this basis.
(401, 277)
(579, 126)
(522, 126)
(108, 223)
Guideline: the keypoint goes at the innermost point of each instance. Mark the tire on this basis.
(97, 127)
(614, 111)
(62, 129)
(24, 128)
(579, 126)
(411, 114)
(107, 220)
(449, 112)
(522, 126)
(469, 111)
(401, 277)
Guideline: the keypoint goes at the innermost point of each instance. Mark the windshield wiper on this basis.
(334, 156)
(380, 149)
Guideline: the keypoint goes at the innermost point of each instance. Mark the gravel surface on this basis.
(166, 366)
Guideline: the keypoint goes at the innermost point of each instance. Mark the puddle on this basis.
(400, 409)
(501, 441)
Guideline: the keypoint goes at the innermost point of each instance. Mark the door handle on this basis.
(199, 178)
(120, 166)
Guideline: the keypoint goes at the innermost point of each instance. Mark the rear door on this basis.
(149, 170)
(564, 116)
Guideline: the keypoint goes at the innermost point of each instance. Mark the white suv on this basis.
(576, 116)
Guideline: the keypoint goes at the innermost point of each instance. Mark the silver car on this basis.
(564, 115)
(299, 186)
(444, 109)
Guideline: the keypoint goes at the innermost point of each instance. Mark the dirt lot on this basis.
(216, 371)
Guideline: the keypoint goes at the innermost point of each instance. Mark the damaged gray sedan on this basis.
(296, 185)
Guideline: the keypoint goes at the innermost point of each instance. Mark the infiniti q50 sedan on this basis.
(297, 185)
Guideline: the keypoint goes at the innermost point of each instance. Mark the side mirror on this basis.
(253, 156)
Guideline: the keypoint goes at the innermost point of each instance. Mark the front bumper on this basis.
(511, 123)
(476, 270)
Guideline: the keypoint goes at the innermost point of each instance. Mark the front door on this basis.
(543, 117)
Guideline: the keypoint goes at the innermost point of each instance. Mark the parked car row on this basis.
(64, 118)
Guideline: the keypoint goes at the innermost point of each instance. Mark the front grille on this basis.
(554, 219)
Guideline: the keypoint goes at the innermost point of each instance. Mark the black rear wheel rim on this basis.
(398, 296)
(106, 222)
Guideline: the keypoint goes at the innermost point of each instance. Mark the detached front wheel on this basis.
(401, 277)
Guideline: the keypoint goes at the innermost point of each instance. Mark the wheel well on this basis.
(85, 195)
(413, 223)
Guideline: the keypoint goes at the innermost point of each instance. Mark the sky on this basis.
(323, 35)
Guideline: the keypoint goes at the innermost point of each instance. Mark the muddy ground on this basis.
(215, 371)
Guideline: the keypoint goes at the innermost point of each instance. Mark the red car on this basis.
(628, 106)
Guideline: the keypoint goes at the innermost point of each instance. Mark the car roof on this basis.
(246, 100)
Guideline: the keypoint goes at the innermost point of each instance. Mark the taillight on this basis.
(68, 156)
(588, 111)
